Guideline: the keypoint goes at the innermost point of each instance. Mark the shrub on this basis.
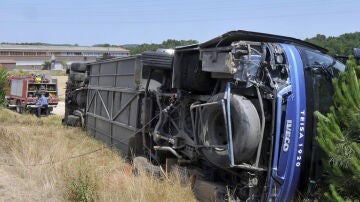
(82, 187)
(339, 136)
(3, 86)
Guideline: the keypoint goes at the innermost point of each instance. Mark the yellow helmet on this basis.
(38, 80)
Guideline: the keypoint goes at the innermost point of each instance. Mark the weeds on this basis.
(82, 187)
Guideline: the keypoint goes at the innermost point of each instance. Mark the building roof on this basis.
(53, 48)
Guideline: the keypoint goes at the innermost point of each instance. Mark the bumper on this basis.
(36, 106)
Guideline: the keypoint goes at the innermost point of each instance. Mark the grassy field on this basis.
(39, 162)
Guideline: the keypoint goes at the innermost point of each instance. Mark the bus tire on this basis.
(245, 129)
(78, 67)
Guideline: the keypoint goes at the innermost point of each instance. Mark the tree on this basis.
(3, 86)
(102, 45)
(339, 136)
(64, 64)
(342, 44)
(170, 43)
(46, 65)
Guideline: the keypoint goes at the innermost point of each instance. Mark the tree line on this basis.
(342, 45)
(170, 43)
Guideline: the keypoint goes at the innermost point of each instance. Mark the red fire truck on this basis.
(25, 91)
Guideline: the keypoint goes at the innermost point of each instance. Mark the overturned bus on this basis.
(235, 112)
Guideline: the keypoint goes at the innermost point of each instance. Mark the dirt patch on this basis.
(61, 86)
(59, 109)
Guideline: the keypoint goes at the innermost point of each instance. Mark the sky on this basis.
(89, 22)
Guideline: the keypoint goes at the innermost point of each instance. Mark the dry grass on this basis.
(100, 176)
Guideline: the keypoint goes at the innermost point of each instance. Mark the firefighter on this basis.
(42, 102)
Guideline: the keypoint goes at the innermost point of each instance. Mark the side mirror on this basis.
(341, 58)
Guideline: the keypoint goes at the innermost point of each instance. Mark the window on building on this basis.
(29, 53)
(41, 53)
(4, 53)
(16, 53)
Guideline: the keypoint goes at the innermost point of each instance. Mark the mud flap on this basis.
(209, 191)
(73, 120)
